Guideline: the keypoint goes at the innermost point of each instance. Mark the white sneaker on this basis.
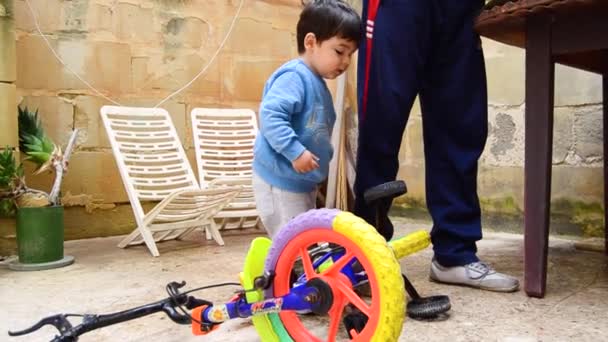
(476, 274)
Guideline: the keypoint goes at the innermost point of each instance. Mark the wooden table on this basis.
(570, 32)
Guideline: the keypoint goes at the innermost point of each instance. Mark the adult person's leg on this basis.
(400, 47)
(454, 113)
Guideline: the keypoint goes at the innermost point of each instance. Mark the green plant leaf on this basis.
(7, 208)
(28, 139)
(32, 148)
(29, 125)
(9, 170)
(39, 158)
(47, 145)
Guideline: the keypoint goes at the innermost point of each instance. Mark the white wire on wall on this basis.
(203, 70)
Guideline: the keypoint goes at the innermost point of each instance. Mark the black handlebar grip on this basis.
(385, 190)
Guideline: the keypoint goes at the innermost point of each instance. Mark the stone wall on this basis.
(134, 52)
(8, 75)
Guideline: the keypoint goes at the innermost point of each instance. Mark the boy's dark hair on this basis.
(326, 19)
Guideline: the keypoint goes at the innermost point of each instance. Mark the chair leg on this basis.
(605, 95)
(257, 224)
(149, 240)
(127, 240)
(538, 148)
(208, 233)
(146, 236)
(215, 233)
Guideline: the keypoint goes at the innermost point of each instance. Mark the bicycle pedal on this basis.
(355, 321)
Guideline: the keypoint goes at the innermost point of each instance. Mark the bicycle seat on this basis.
(385, 190)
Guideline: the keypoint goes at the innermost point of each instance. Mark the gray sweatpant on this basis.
(277, 206)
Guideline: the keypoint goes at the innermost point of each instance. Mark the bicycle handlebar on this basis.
(69, 333)
(410, 244)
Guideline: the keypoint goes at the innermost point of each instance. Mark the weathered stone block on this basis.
(108, 66)
(48, 14)
(414, 177)
(69, 17)
(73, 16)
(275, 43)
(87, 119)
(139, 72)
(8, 116)
(99, 18)
(506, 135)
(588, 133)
(576, 87)
(155, 72)
(412, 145)
(105, 65)
(83, 224)
(36, 65)
(579, 183)
(505, 67)
(245, 77)
(186, 32)
(283, 15)
(502, 183)
(569, 182)
(6, 8)
(8, 63)
(134, 23)
(209, 84)
(563, 136)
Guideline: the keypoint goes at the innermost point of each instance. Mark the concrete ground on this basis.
(107, 279)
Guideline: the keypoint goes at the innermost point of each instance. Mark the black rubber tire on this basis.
(428, 307)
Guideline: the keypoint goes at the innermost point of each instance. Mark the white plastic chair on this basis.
(154, 167)
(223, 141)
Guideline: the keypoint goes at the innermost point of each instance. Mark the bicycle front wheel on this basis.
(361, 245)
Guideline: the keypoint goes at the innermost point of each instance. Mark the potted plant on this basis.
(40, 226)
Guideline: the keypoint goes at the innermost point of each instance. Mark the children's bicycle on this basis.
(327, 275)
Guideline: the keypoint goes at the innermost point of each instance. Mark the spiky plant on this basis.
(11, 182)
(40, 150)
(10, 172)
(34, 143)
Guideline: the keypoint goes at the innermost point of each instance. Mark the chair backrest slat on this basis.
(223, 140)
(149, 154)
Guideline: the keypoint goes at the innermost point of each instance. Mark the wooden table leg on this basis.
(538, 150)
(605, 105)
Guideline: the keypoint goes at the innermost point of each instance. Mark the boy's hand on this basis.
(306, 162)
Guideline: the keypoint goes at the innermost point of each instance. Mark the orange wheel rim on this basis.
(340, 284)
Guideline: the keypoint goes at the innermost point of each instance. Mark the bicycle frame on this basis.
(316, 294)
(298, 298)
(294, 300)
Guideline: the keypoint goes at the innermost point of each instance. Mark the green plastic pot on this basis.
(40, 234)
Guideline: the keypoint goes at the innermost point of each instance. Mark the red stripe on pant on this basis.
(372, 10)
